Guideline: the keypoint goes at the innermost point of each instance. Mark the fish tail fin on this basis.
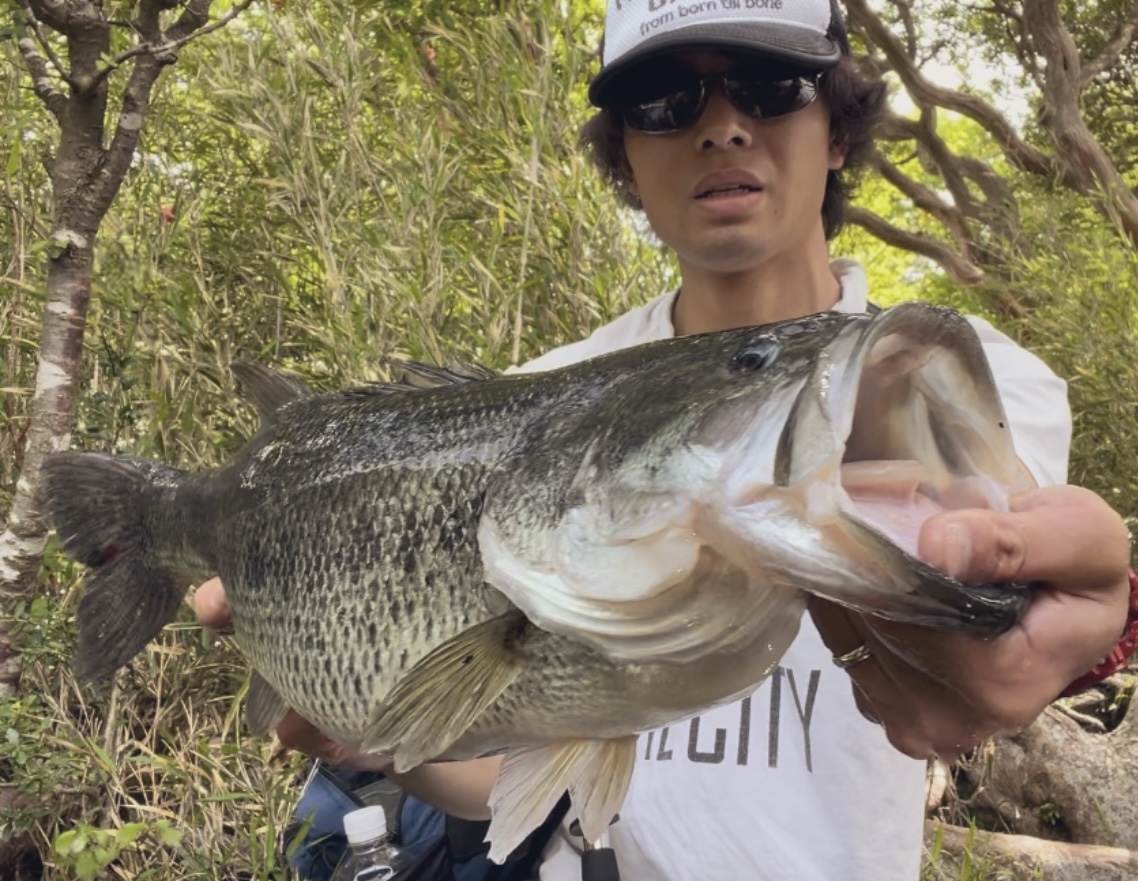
(102, 508)
(595, 772)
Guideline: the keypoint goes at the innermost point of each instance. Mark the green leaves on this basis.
(86, 850)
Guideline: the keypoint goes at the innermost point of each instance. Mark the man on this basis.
(733, 126)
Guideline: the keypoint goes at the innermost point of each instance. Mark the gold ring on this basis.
(861, 653)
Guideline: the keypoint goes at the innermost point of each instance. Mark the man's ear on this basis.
(837, 156)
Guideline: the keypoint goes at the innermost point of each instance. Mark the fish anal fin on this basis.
(264, 707)
(267, 389)
(596, 773)
(442, 695)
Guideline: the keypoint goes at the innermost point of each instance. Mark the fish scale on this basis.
(429, 576)
(543, 565)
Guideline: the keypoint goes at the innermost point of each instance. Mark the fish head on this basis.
(609, 542)
(899, 420)
(713, 481)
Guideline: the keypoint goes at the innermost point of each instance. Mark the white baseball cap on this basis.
(810, 33)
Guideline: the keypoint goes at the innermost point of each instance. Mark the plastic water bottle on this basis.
(371, 857)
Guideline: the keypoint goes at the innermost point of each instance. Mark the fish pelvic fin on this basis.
(266, 389)
(98, 504)
(596, 774)
(442, 695)
(264, 707)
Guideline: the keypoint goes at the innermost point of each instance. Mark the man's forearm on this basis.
(461, 789)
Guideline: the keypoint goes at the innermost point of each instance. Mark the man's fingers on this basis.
(296, 732)
(1064, 535)
(211, 606)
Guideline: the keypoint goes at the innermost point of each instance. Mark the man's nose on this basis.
(722, 124)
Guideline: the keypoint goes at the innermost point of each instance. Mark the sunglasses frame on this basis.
(812, 80)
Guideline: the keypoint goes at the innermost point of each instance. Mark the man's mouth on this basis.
(737, 190)
(727, 183)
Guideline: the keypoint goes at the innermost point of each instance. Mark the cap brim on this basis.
(786, 43)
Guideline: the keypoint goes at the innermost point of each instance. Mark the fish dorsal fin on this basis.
(267, 389)
(413, 376)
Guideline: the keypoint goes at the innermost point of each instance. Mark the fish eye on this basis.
(755, 355)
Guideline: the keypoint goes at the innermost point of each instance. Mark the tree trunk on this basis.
(1022, 858)
(51, 417)
(86, 170)
(1055, 780)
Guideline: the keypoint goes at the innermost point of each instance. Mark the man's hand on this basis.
(942, 693)
(294, 731)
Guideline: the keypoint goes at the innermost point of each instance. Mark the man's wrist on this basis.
(1120, 655)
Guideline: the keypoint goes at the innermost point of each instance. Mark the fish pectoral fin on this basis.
(264, 706)
(596, 773)
(442, 695)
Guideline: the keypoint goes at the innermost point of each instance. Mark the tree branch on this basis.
(1111, 52)
(923, 197)
(190, 24)
(193, 21)
(65, 16)
(1013, 23)
(148, 66)
(959, 268)
(42, 84)
(33, 23)
(1076, 148)
(927, 94)
(905, 11)
(947, 163)
(997, 211)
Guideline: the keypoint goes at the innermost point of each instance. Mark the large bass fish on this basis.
(545, 564)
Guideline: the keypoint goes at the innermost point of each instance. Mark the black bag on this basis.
(445, 848)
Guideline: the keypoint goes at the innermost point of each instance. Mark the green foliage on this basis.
(1085, 325)
(149, 777)
(85, 850)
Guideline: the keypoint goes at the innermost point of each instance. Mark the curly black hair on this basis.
(857, 104)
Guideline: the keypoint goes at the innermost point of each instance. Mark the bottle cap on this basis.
(365, 824)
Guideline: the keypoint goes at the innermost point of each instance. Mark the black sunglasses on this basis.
(759, 98)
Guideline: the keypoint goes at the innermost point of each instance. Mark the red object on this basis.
(1120, 655)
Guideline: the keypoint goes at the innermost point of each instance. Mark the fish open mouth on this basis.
(926, 431)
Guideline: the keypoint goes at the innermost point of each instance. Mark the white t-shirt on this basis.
(792, 783)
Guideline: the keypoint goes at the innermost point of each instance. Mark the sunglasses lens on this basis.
(767, 99)
(668, 114)
(761, 98)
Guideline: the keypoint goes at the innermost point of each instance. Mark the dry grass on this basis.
(149, 776)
